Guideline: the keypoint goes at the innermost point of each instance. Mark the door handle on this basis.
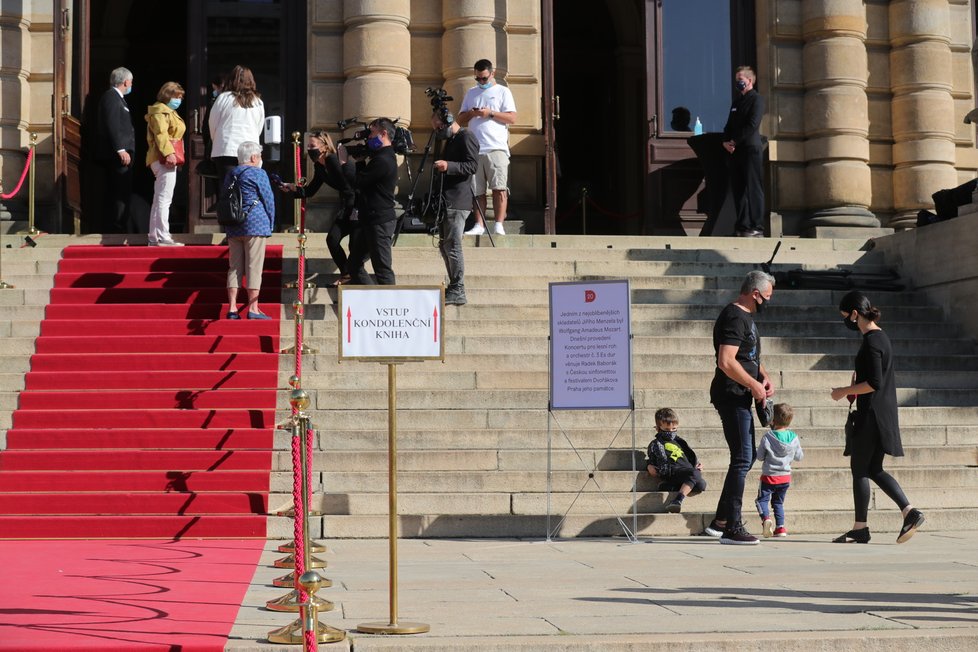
(196, 121)
(653, 126)
(556, 108)
(65, 103)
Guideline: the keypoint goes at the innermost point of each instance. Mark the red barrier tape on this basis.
(23, 175)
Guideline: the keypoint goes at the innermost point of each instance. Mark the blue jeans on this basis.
(773, 493)
(738, 430)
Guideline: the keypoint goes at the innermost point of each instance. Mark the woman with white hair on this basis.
(246, 241)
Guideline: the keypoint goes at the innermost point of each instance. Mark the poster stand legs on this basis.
(591, 478)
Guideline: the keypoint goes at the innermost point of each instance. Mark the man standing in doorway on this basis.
(740, 379)
(115, 146)
(742, 139)
(488, 109)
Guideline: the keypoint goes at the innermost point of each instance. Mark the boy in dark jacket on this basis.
(779, 447)
(673, 461)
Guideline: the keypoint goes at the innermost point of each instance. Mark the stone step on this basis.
(884, 524)
(563, 459)
(521, 481)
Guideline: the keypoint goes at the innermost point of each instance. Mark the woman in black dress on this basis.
(877, 429)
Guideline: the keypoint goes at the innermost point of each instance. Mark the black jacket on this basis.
(874, 364)
(115, 130)
(462, 153)
(335, 176)
(374, 183)
(669, 453)
(744, 121)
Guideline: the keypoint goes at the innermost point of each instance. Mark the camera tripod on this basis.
(831, 279)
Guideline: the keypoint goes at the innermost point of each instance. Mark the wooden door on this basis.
(70, 54)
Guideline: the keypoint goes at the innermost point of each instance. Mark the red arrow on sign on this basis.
(436, 323)
(348, 315)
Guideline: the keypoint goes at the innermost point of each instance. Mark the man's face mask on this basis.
(374, 143)
(760, 304)
(741, 84)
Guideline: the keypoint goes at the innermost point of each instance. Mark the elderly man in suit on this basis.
(115, 147)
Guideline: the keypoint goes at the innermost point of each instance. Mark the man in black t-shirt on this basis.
(740, 379)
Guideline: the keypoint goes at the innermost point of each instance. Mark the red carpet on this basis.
(145, 414)
(122, 595)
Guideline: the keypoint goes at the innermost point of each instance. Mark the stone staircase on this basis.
(473, 431)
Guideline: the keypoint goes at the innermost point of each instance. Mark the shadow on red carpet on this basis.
(123, 595)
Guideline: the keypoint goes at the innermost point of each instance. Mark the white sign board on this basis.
(590, 345)
(391, 323)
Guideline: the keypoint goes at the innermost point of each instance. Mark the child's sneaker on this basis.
(767, 525)
(779, 532)
(676, 505)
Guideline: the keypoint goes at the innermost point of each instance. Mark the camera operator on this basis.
(459, 161)
(374, 182)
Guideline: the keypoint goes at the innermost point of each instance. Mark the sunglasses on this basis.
(483, 80)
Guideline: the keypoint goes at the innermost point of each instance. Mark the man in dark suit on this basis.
(115, 146)
(375, 184)
(742, 139)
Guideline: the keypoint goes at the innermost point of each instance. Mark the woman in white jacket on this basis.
(237, 116)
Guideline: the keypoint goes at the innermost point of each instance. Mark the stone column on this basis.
(837, 174)
(921, 79)
(469, 36)
(377, 58)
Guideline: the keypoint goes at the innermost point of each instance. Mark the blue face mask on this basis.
(127, 91)
(374, 143)
(215, 93)
(175, 103)
(485, 86)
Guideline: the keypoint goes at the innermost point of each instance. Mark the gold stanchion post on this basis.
(393, 626)
(296, 169)
(292, 600)
(294, 633)
(31, 229)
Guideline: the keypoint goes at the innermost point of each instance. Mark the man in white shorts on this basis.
(488, 109)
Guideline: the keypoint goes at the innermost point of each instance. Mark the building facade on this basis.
(865, 98)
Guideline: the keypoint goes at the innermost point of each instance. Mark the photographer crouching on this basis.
(374, 182)
(459, 161)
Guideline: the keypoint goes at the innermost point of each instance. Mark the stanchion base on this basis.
(6, 286)
(291, 601)
(305, 349)
(32, 231)
(314, 546)
(393, 628)
(291, 634)
(290, 513)
(289, 562)
(288, 582)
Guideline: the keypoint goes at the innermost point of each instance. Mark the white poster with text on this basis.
(590, 345)
(391, 323)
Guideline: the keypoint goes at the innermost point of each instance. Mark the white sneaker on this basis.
(478, 229)
(499, 229)
(169, 243)
(768, 527)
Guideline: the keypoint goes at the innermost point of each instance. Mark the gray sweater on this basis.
(777, 450)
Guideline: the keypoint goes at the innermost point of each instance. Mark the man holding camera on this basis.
(374, 182)
(488, 109)
(459, 161)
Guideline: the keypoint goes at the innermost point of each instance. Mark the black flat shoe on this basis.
(913, 520)
(854, 536)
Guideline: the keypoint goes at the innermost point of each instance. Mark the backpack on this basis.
(230, 210)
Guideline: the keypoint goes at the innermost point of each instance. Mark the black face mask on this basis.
(760, 305)
(314, 154)
(851, 325)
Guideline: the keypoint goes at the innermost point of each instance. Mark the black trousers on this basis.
(339, 230)
(116, 197)
(748, 189)
(373, 240)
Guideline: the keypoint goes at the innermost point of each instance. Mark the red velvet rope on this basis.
(609, 213)
(23, 175)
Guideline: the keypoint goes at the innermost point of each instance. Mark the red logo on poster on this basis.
(589, 296)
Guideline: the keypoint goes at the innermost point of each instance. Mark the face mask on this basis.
(127, 91)
(444, 133)
(485, 86)
(760, 305)
(741, 84)
(374, 143)
(174, 103)
(215, 93)
(851, 325)
(314, 154)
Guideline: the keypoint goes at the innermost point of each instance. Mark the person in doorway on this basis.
(246, 242)
(459, 161)
(487, 110)
(164, 133)
(237, 116)
(116, 144)
(877, 423)
(742, 140)
(375, 182)
(740, 380)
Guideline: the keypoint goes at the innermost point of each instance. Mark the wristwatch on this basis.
(491, 115)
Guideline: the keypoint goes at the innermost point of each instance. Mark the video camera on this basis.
(356, 145)
(439, 102)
